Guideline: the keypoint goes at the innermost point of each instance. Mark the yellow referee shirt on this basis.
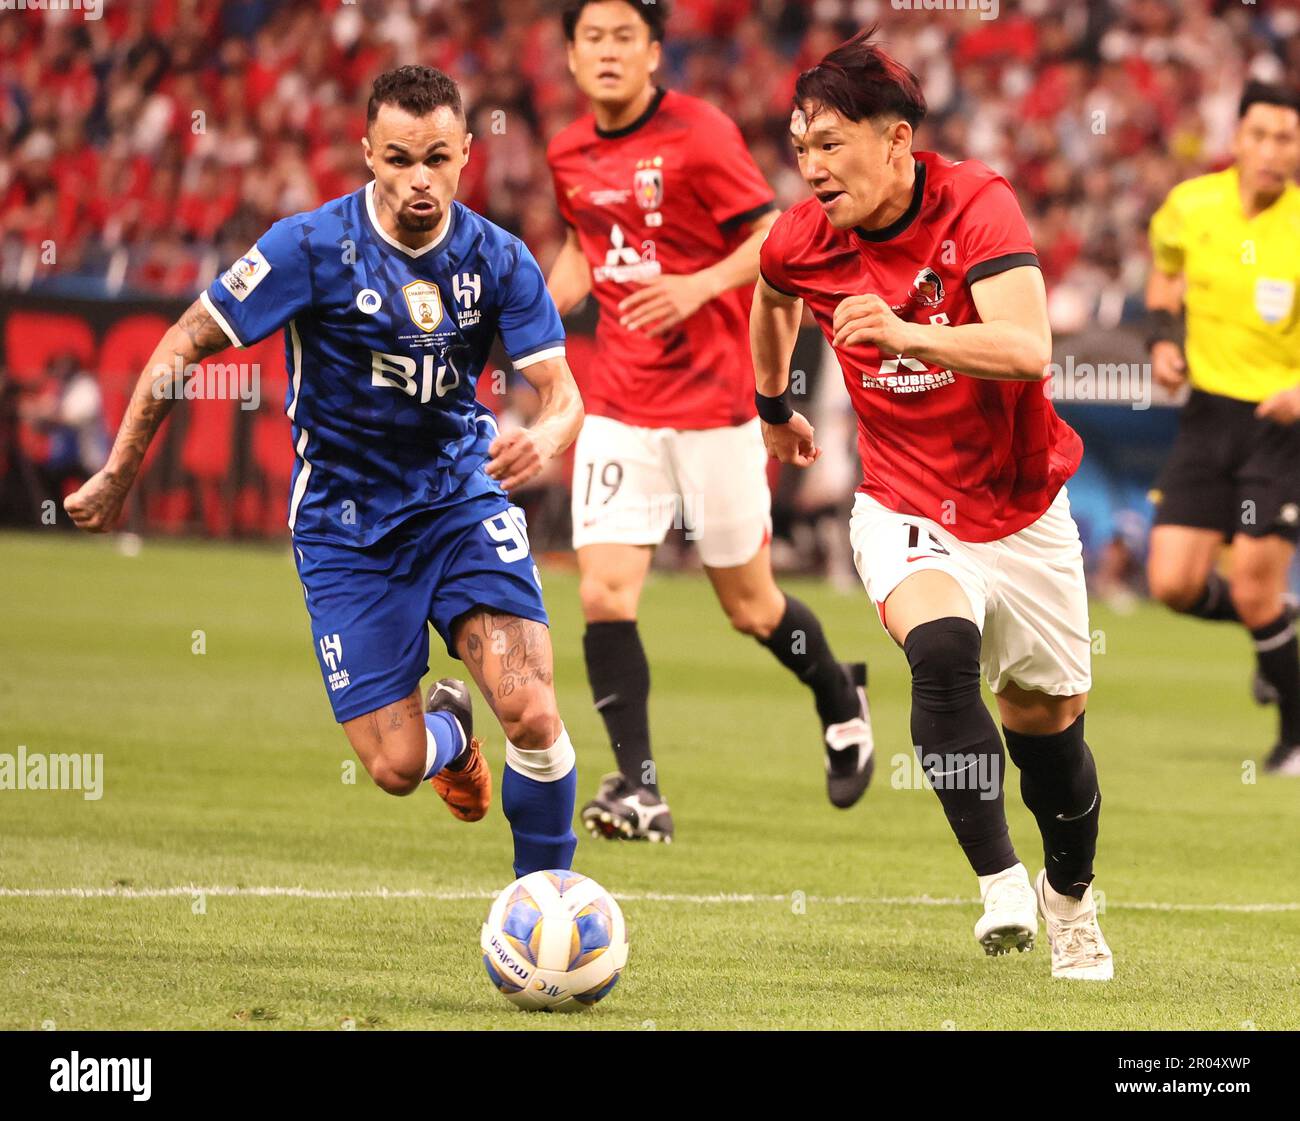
(1242, 310)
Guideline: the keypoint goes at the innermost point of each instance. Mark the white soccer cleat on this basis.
(1010, 919)
(1079, 952)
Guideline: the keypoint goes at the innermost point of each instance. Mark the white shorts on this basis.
(1026, 591)
(632, 485)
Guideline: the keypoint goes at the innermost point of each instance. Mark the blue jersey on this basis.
(384, 346)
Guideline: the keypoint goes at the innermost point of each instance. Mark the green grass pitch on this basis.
(224, 770)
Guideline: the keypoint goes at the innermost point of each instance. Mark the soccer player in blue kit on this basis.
(390, 298)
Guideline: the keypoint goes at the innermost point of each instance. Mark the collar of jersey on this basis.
(905, 219)
(440, 240)
(627, 130)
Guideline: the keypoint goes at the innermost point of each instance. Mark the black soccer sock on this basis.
(1279, 664)
(799, 644)
(620, 686)
(957, 741)
(1216, 602)
(1058, 781)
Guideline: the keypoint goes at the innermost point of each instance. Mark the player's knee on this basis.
(530, 719)
(393, 777)
(605, 600)
(751, 615)
(1174, 589)
(945, 658)
(1258, 602)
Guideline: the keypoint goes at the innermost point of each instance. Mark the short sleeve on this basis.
(727, 180)
(264, 289)
(992, 235)
(772, 258)
(1167, 238)
(529, 323)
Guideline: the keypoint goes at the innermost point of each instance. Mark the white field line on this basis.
(627, 897)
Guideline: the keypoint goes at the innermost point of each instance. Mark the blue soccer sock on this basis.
(444, 740)
(538, 793)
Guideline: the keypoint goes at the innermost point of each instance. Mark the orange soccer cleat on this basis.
(467, 790)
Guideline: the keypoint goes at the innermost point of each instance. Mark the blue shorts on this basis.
(370, 607)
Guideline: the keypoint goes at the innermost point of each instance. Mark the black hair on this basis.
(861, 82)
(1260, 93)
(417, 89)
(653, 12)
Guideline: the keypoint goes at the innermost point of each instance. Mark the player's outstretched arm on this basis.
(96, 506)
(773, 329)
(570, 278)
(1013, 341)
(671, 299)
(519, 455)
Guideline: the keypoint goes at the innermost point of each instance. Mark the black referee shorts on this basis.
(1231, 471)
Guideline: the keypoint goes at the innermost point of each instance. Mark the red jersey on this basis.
(669, 193)
(982, 458)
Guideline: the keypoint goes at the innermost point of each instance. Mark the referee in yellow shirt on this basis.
(1225, 316)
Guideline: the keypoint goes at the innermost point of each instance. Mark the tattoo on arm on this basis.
(199, 336)
(206, 336)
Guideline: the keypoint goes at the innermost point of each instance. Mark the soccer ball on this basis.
(555, 941)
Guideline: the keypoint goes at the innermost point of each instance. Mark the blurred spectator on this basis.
(150, 147)
(63, 425)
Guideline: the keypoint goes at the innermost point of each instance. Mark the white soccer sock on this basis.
(431, 746)
(1066, 907)
(549, 764)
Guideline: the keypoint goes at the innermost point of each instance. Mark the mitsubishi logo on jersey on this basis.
(466, 289)
(919, 380)
(623, 264)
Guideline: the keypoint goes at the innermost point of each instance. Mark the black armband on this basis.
(1163, 326)
(774, 410)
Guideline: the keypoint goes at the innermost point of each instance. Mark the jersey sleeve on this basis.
(529, 323)
(772, 257)
(1166, 235)
(264, 289)
(727, 180)
(993, 236)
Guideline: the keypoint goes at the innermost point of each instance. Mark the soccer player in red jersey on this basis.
(666, 211)
(921, 274)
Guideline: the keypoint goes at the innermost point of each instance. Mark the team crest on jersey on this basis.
(648, 186)
(245, 274)
(465, 289)
(331, 652)
(424, 302)
(927, 289)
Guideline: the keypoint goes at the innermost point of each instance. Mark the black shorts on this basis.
(1231, 471)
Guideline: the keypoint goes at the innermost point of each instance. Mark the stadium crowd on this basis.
(148, 147)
